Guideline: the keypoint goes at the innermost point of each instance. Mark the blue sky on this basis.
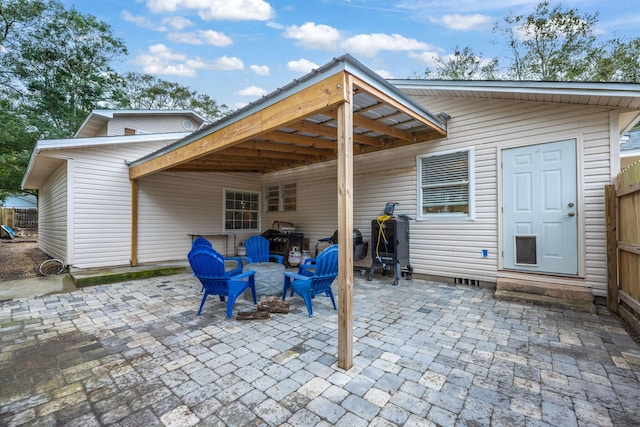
(238, 50)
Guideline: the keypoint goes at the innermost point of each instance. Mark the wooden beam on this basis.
(306, 102)
(376, 126)
(294, 138)
(392, 102)
(289, 148)
(134, 222)
(345, 230)
(264, 154)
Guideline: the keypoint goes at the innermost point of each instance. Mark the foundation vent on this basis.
(468, 282)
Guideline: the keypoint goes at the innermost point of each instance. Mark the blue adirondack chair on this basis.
(312, 283)
(258, 250)
(208, 267)
(199, 242)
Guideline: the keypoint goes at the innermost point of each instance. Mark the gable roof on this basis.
(49, 154)
(297, 125)
(624, 97)
(98, 118)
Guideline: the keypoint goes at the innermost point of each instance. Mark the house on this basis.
(20, 201)
(630, 149)
(84, 191)
(505, 180)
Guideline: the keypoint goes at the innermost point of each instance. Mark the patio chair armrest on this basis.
(236, 259)
(296, 276)
(278, 258)
(244, 274)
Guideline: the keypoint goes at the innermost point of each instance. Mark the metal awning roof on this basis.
(297, 126)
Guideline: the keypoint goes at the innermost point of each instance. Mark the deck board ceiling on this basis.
(297, 126)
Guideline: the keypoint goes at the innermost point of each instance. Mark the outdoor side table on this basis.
(269, 278)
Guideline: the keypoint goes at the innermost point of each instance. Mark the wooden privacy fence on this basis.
(623, 245)
(20, 218)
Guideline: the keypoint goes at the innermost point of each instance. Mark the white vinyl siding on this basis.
(173, 205)
(101, 218)
(52, 215)
(453, 249)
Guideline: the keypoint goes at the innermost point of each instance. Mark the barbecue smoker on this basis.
(390, 245)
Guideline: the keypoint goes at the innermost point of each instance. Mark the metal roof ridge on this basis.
(529, 86)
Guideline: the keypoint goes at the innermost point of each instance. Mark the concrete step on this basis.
(573, 293)
(101, 276)
(544, 300)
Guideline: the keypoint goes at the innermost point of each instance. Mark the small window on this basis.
(289, 196)
(129, 131)
(281, 197)
(445, 185)
(242, 210)
(273, 198)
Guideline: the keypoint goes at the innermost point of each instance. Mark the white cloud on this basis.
(301, 65)
(370, 44)
(465, 22)
(177, 22)
(226, 63)
(202, 37)
(234, 10)
(162, 60)
(161, 51)
(427, 57)
(261, 70)
(314, 36)
(384, 74)
(141, 21)
(252, 91)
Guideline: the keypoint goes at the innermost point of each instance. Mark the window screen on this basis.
(445, 184)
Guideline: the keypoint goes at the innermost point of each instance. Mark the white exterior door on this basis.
(539, 217)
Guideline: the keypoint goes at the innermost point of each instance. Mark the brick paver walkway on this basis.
(135, 354)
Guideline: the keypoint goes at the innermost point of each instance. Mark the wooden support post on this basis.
(134, 222)
(611, 218)
(345, 229)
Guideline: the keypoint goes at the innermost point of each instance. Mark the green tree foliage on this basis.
(62, 68)
(464, 64)
(16, 142)
(55, 67)
(146, 92)
(550, 44)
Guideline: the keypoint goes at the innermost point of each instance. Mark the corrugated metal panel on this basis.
(52, 215)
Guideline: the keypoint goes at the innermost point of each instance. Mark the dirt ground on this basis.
(19, 259)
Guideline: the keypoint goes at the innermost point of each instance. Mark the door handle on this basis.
(571, 214)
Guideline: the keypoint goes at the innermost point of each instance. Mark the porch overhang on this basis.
(297, 126)
(338, 111)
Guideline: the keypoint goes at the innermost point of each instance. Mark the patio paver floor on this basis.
(425, 353)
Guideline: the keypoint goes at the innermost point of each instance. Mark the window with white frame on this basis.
(281, 197)
(445, 185)
(241, 210)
